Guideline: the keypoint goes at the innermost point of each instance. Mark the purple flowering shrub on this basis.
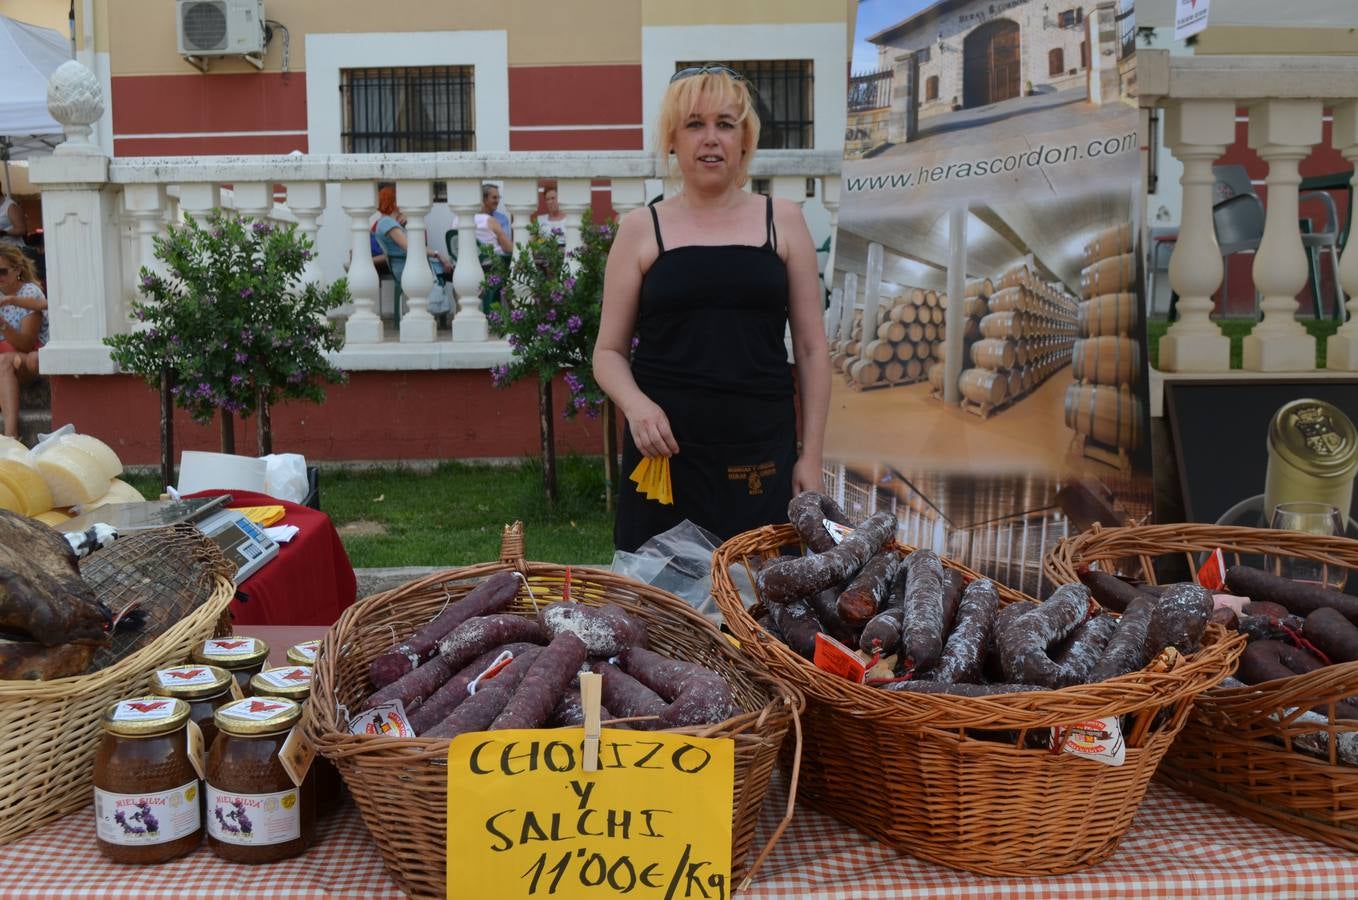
(229, 314)
(550, 314)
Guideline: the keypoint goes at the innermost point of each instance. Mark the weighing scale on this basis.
(240, 540)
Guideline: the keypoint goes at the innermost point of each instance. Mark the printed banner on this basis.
(985, 317)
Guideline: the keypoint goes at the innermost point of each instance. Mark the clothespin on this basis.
(591, 696)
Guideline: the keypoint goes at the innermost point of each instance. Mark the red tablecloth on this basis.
(310, 582)
(1177, 848)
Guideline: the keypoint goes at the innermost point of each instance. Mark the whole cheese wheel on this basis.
(72, 475)
(10, 500)
(119, 491)
(9, 443)
(27, 485)
(52, 517)
(103, 454)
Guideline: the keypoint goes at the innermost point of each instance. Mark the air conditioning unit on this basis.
(221, 28)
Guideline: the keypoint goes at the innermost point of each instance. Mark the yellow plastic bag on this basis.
(652, 478)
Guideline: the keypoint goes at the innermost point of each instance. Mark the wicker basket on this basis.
(49, 730)
(386, 774)
(1235, 752)
(908, 770)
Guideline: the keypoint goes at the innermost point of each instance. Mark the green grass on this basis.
(1236, 329)
(453, 516)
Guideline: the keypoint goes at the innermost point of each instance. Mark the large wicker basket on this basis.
(1236, 750)
(49, 730)
(909, 769)
(401, 785)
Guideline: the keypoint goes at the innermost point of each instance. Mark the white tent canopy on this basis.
(28, 57)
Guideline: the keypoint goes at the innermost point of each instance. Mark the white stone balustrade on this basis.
(1284, 97)
(90, 200)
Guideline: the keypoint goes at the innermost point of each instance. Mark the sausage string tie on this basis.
(1303, 643)
(529, 588)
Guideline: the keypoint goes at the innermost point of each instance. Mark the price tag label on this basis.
(833, 657)
(196, 755)
(836, 531)
(1097, 739)
(526, 820)
(1212, 575)
(387, 720)
(296, 755)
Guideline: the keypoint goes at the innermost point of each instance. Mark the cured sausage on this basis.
(475, 636)
(543, 683)
(786, 579)
(1110, 591)
(797, 624)
(1025, 642)
(922, 631)
(1008, 612)
(882, 634)
(859, 601)
(440, 704)
(1179, 619)
(696, 694)
(964, 652)
(807, 512)
(490, 596)
(1300, 598)
(606, 630)
(953, 585)
(1126, 650)
(825, 605)
(570, 712)
(1332, 634)
(475, 715)
(1081, 651)
(627, 697)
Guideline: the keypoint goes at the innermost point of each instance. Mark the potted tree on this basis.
(549, 314)
(229, 327)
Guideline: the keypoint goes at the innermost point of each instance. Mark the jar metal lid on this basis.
(257, 715)
(145, 716)
(303, 654)
(1315, 437)
(231, 652)
(191, 682)
(293, 682)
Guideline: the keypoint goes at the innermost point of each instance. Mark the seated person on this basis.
(553, 221)
(23, 329)
(391, 237)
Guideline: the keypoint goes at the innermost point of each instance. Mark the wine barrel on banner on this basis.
(852, 348)
(1108, 276)
(917, 296)
(1008, 298)
(893, 371)
(1109, 415)
(979, 287)
(1002, 325)
(1108, 314)
(906, 313)
(915, 331)
(992, 354)
(891, 331)
(905, 350)
(931, 332)
(879, 351)
(931, 298)
(971, 328)
(1015, 382)
(1014, 276)
(1107, 360)
(839, 361)
(937, 371)
(865, 372)
(976, 306)
(983, 386)
(914, 369)
(1113, 241)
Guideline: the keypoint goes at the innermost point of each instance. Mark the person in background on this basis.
(698, 291)
(13, 224)
(492, 226)
(23, 329)
(553, 220)
(391, 236)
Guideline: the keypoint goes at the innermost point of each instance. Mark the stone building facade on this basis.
(963, 54)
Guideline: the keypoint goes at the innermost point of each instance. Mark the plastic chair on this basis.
(1237, 218)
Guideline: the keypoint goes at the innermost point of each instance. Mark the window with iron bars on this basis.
(783, 97)
(1071, 17)
(418, 109)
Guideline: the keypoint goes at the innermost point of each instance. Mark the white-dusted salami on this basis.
(922, 631)
(808, 511)
(785, 579)
(1025, 643)
(964, 652)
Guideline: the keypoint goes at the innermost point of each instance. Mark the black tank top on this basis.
(713, 317)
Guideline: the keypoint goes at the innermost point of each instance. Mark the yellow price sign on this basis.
(526, 820)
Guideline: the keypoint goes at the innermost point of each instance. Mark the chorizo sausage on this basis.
(475, 636)
(964, 652)
(1332, 634)
(543, 683)
(859, 601)
(807, 512)
(789, 578)
(1024, 644)
(696, 694)
(798, 625)
(1126, 650)
(922, 630)
(1179, 619)
(439, 705)
(1299, 598)
(606, 630)
(962, 690)
(627, 697)
(1080, 652)
(1109, 590)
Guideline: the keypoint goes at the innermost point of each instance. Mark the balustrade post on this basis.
(364, 326)
(1341, 348)
(1197, 132)
(253, 200)
(417, 281)
(832, 316)
(1282, 132)
(306, 200)
(469, 324)
(519, 197)
(144, 204)
(627, 195)
(574, 195)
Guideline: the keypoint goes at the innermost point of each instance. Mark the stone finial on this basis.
(74, 99)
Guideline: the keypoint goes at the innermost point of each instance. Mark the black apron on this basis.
(711, 354)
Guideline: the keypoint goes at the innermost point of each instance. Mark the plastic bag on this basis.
(678, 561)
(285, 477)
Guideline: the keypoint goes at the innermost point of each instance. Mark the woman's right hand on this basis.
(651, 430)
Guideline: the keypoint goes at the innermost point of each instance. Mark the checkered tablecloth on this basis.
(1178, 847)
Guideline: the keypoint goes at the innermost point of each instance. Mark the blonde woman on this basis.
(706, 281)
(23, 329)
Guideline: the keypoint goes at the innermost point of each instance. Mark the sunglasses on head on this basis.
(706, 70)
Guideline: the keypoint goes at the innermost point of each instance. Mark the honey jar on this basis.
(303, 654)
(243, 657)
(146, 791)
(294, 683)
(203, 688)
